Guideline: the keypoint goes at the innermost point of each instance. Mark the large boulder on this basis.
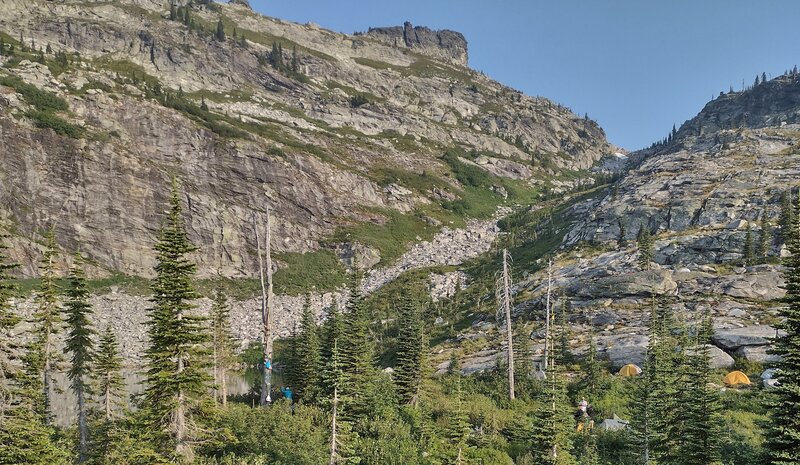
(639, 284)
(732, 339)
(757, 354)
(624, 350)
(718, 358)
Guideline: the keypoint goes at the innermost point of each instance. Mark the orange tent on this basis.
(736, 378)
(630, 370)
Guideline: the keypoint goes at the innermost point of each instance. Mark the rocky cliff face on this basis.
(330, 133)
(444, 45)
(723, 174)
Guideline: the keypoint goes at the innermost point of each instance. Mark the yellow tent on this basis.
(736, 378)
(630, 370)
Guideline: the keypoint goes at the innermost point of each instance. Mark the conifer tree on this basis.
(592, 383)
(590, 454)
(765, 239)
(47, 323)
(783, 435)
(105, 434)
(337, 397)
(523, 363)
(645, 243)
(273, 56)
(333, 331)
(658, 423)
(220, 34)
(294, 58)
(24, 437)
(458, 426)
(410, 350)
(642, 429)
(223, 346)
(563, 354)
(308, 350)
(8, 320)
(358, 350)
(748, 253)
(107, 367)
(700, 438)
(80, 346)
(553, 424)
(622, 241)
(177, 377)
(173, 12)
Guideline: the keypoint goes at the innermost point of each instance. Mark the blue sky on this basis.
(635, 66)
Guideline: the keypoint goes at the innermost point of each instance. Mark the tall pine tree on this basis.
(783, 438)
(8, 320)
(337, 397)
(220, 34)
(410, 350)
(700, 439)
(177, 362)
(47, 323)
(458, 426)
(645, 243)
(80, 346)
(553, 424)
(223, 346)
(25, 436)
(357, 351)
(107, 371)
(308, 354)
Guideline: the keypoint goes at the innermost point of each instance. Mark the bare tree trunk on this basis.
(83, 429)
(333, 456)
(547, 345)
(48, 381)
(223, 385)
(506, 304)
(182, 447)
(107, 396)
(266, 310)
(215, 358)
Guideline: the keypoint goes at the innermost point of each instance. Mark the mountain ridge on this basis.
(337, 132)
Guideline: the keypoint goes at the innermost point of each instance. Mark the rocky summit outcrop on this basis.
(330, 130)
(244, 3)
(445, 44)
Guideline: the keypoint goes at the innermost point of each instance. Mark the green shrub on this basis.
(42, 100)
(467, 175)
(321, 270)
(47, 120)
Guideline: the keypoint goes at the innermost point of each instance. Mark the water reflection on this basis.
(242, 387)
